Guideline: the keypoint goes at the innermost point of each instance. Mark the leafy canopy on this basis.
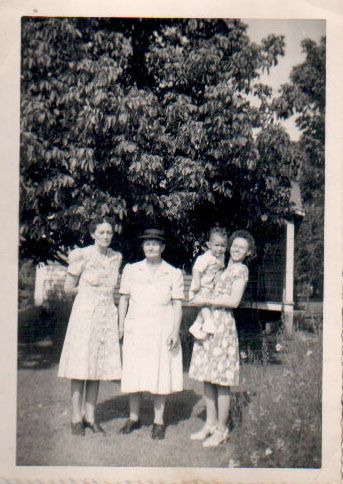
(304, 96)
(149, 121)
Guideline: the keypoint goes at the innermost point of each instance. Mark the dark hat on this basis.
(153, 234)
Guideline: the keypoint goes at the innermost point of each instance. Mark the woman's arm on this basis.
(173, 339)
(70, 285)
(122, 310)
(224, 300)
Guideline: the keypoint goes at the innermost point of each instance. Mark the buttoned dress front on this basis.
(148, 363)
(91, 347)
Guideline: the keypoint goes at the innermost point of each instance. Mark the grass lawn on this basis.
(274, 421)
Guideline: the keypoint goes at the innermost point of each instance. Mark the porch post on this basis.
(288, 291)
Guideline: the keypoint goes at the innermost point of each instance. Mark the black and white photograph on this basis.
(172, 293)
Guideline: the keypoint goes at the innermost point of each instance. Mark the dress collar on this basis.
(162, 269)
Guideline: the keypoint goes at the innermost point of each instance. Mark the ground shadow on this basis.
(179, 407)
(40, 338)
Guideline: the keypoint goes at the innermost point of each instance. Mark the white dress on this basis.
(91, 346)
(148, 363)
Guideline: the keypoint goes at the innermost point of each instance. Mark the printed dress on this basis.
(216, 359)
(91, 346)
(148, 363)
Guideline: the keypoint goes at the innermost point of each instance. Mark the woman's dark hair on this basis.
(100, 220)
(217, 230)
(244, 234)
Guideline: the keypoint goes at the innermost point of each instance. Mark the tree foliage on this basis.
(305, 97)
(149, 121)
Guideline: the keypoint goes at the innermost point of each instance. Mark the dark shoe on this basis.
(78, 428)
(158, 431)
(95, 428)
(130, 425)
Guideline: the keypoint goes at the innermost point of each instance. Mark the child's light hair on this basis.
(219, 231)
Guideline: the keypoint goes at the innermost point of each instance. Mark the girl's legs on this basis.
(210, 393)
(92, 390)
(135, 405)
(159, 404)
(223, 407)
(77, 387)
(221, 433)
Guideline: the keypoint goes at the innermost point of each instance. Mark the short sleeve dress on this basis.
(91, 346)
(208, 265)
(216, 359)
(148, 363)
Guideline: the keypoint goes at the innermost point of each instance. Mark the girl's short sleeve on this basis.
(125, 283)
(178, 285)
(76, 262)
(239, 271)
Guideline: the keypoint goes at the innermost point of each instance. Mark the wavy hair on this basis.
(244, 234)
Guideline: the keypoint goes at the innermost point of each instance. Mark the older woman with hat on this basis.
(150, 312)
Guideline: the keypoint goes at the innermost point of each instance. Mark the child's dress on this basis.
(216, 359)
(208, 265)
(91, 346)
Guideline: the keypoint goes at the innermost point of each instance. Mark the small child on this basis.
(204, 271)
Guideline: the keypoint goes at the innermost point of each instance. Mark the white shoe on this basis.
(209, 326)
(197, 332)
(216, 438)
(203, 433)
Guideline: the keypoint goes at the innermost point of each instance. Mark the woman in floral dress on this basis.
(215, 360)
(91, 349)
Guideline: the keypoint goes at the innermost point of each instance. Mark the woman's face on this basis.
(103, 235)
(153, 248)
(239, 249)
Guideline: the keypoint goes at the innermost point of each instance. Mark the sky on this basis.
(294, 31)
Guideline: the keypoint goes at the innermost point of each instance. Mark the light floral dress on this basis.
(91, 346)
(216, 359)
(148, 363)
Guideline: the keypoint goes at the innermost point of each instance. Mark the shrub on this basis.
(281, 427)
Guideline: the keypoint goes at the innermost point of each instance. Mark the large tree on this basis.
(304, 96)
(149, 121)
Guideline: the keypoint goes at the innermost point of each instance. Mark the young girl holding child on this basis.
(215, 360)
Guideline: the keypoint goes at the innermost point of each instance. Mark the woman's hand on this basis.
(173, 341)
(200, 301)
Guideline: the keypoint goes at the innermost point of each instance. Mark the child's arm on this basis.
(196, 281)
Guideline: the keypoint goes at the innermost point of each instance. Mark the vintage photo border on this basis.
(11, 12)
